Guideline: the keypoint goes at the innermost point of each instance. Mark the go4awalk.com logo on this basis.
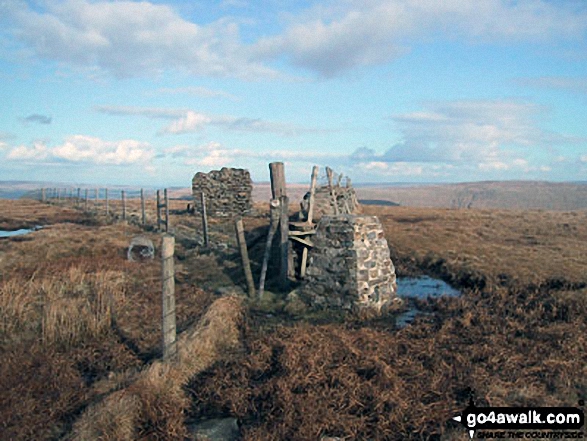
(523, 422)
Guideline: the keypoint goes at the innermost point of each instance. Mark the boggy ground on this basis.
(74, 314)
(517, 337)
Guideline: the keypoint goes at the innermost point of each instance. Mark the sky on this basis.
(149, 93)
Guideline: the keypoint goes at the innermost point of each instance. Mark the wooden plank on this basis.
(301, 233)
(242, 244)
(303, 241)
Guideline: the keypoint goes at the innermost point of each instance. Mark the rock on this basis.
(222, 429)
(140, 249)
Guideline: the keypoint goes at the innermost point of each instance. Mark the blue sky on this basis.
(149, 93)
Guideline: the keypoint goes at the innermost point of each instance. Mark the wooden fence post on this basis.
(142, 207)
(274, 221)
(166, 199)
(284, 242)
(123, 196)
(86, 201)
(242, 244)
(277, 175)
(43, 195)
(158, 210)
(168, 282)
(311, 202)
(106, 200)
(204, 219)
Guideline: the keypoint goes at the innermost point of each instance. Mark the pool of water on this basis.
(410, 288)
(4, 233)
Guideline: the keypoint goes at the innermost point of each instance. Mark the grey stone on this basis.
(224, 429)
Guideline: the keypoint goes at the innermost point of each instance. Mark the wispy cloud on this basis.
(202, 92)
(216, 154)
(37, 119)
(86, 149)
(189, 121)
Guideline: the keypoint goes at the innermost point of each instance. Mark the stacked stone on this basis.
(346, 200)
(350, 264)
(228, 192)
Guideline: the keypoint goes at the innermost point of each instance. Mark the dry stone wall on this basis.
(350, 264)
(228, 192)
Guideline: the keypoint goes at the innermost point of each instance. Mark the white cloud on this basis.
(87, 149)
(130, 38)
(37, 152)
(189, 121)
(475, 130)
(353, 33)
(583, 158)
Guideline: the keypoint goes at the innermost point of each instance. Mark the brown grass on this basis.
(153, 404)
(79, 331)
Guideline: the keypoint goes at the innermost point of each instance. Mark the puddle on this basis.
(4, 233)
(410, 288)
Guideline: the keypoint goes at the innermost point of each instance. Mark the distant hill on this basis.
(491, 194)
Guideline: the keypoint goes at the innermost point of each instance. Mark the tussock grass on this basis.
(153, 404)
(65, 309)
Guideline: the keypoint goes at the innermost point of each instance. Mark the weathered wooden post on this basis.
(97, 198)
(273, 223)
(311, 202)
(43, 195)
(310, 218)
(142, 207)
(166, 199)
(284, 242)
(242, 244)
(58, 195)
(86, 199)
(168, 282)
(279, 191)
(158, 210)
(78, 197)
(123, 196)
(106, 201)
(204, 219)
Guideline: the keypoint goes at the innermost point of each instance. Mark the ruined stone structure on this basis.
(325, 196)
(346, 201)
(350, 265)
(227, 191)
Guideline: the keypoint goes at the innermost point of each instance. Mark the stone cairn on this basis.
(350, 265)
(332, 197)
(228, 192)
